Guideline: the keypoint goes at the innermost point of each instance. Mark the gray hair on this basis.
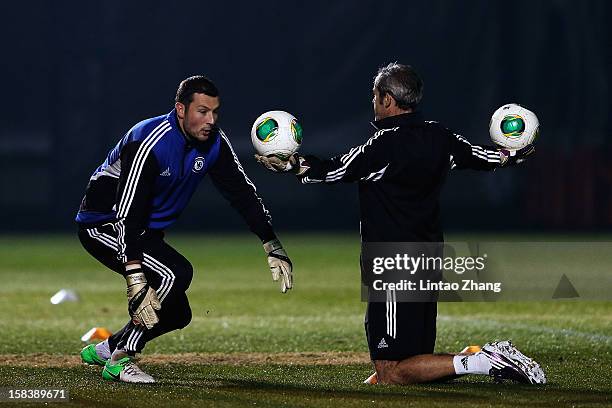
(401, 82)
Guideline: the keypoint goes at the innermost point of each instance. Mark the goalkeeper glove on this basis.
(142, 300)
(280, 264)
(513, 157)
(294, 164)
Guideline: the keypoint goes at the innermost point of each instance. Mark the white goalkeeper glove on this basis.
(294, 164)
(280, 264)
(142, 300)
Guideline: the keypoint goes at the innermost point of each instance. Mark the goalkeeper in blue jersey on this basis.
(140, 189)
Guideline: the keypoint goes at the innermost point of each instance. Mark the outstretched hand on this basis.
(513, 157)
(280, 264)
(275, 164)
(294, 164)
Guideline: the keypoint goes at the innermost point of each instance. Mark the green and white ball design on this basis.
(266, 130)
(513, 126)
(276, 133)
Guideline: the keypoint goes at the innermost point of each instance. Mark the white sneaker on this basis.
(127, 371)
(509, 363)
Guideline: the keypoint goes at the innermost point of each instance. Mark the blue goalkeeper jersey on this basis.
(148, 178)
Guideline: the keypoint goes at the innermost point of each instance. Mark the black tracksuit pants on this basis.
(167, 271)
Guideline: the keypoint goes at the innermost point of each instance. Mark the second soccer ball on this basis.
(513, 126)
(276, 133)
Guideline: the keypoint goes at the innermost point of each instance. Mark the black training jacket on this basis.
(400, 171)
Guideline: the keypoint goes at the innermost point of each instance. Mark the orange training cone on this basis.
(471, 349)
(96, 333)
(373, 379)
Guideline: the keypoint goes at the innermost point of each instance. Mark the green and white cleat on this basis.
(91, 357)
(126, 370)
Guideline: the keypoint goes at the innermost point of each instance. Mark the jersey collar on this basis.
(405, 119)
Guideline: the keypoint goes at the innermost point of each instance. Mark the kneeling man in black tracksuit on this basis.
(400, 171)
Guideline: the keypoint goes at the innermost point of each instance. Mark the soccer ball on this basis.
(276, 133)
(513, 126)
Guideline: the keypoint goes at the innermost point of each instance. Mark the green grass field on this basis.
(250, 345)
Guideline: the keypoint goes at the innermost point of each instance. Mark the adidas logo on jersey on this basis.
(166, 173)
(383, 343)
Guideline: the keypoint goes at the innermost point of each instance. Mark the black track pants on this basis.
(167, 271)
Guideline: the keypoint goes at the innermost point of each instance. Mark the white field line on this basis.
(305, 358)
(484, 321)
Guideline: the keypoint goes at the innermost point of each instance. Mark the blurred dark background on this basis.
(77, 75)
